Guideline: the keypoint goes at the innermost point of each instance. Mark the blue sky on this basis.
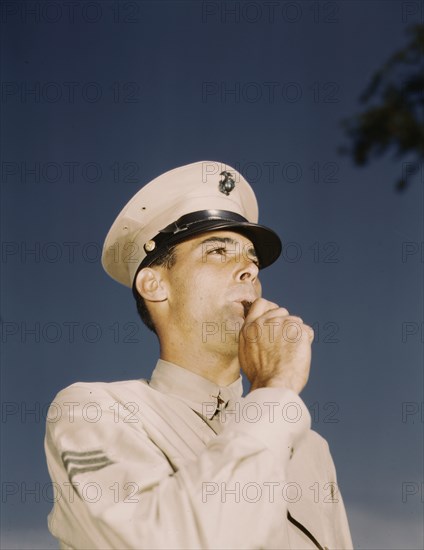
(96, 102)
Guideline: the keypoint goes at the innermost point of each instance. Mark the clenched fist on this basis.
(275, 347)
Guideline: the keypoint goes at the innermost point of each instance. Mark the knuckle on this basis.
(294, 319)
(308, 333)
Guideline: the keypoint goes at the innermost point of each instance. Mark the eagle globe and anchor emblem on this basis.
(227, 183)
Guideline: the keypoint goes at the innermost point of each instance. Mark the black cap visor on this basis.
(266, 242)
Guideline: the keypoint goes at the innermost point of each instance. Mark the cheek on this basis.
(188, 287)
(178, 286)
(203, 291)
(196, 290)
(258, 286)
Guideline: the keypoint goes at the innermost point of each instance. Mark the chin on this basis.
(233, 322)
(235, 315)
(230, 330)
(225, 330)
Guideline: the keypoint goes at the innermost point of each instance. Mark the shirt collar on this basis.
(202, 395)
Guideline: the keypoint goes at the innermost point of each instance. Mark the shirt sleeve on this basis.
(340, 531)
(117, 489)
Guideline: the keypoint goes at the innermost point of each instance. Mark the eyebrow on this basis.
(227, 240)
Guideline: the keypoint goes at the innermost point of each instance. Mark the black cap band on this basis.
(186, 221)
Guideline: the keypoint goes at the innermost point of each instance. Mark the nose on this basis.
(247, 271)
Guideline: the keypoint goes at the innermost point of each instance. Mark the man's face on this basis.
(213, 275)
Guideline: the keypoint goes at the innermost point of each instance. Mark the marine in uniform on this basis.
(183, 460)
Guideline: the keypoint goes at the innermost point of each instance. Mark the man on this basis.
(183, 460)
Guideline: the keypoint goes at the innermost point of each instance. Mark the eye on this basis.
(254, 259)
(220, 251)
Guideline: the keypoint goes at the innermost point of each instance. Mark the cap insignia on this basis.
(227, 183)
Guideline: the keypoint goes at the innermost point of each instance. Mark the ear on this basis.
(150, 285)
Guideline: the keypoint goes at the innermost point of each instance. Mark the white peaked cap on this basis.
(189, 200)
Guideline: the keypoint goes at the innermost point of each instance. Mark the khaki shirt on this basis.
(178, 462)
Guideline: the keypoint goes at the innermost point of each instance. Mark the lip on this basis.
(250, 299)
(242, 292)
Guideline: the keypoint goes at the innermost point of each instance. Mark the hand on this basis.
(275, 347)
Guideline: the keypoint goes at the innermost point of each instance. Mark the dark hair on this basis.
(167, 259)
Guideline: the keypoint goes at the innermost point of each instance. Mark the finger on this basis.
(290, 327)
(310, 333)
(281, 315)
(259, 307)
